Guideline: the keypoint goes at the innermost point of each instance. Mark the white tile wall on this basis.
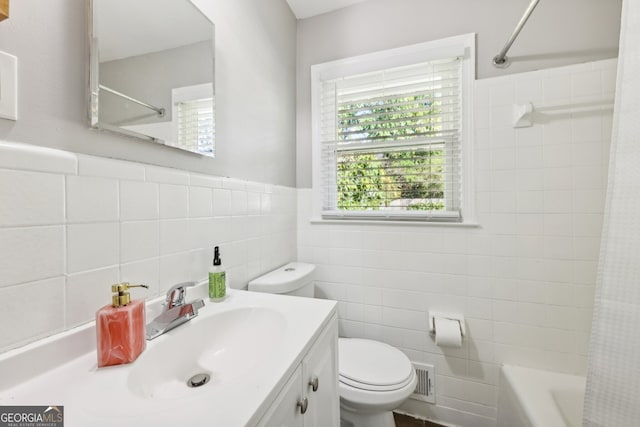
(524, 279)
(138, 200)
(31, 253)
(92, 246)
(139, 240)
(39, 193)
(72, 225)
(91, 199)
(174, 201)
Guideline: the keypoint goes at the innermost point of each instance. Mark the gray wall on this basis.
(139, 77)
(255, 68)
(560, 32)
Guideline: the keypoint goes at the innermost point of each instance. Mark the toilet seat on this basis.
(374, 378)
(373, 365)
(370, 387)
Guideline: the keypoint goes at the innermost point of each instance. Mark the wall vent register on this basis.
(426, 386)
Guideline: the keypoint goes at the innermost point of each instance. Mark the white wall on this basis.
(73, 225)
(255, 61)
(558, 33)
(614, 369)
(524, 278)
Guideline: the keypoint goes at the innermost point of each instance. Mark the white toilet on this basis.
(375, 378)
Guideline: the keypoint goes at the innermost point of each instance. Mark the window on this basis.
(193, 113)
(390, 134)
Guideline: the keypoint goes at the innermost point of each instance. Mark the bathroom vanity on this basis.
(312, 389)
(269, 361)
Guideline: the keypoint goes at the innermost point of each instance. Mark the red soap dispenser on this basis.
(120, 328)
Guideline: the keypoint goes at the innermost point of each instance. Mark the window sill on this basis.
(321, 221)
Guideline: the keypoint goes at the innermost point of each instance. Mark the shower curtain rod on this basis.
(160, 111)
(501, 60)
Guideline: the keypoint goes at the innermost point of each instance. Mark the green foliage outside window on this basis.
(410, 178)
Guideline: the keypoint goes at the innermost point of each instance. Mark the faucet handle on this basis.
(175, 295)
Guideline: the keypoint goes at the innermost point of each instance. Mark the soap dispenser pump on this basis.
(120, 327)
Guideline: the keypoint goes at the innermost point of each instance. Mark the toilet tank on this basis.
(295, 278)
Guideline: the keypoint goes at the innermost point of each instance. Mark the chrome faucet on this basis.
(175, 311)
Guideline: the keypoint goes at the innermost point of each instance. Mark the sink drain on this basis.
(198, 380)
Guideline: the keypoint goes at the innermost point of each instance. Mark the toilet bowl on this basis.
(374, 378)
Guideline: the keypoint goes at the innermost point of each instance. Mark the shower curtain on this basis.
(613, 384)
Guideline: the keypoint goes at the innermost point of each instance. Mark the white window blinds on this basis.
(390, 143)
(196, 125)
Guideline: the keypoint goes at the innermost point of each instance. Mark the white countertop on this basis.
(62, 370)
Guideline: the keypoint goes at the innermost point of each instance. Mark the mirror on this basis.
(152, 72)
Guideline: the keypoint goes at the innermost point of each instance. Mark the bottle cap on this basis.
(122, 297)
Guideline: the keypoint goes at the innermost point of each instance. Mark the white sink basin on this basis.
(250, 344)
(225, 346)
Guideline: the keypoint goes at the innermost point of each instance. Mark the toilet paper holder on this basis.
(457, 317)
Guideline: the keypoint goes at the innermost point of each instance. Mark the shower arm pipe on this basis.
(161, 111)
(501, 60)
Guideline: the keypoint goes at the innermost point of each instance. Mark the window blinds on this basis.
(196, 125)
(390, 143)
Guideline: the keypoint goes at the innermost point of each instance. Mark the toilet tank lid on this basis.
(287, 278)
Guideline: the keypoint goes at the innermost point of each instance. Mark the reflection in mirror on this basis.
(152, 72)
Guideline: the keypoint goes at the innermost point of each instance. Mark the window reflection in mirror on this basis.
(152, 72)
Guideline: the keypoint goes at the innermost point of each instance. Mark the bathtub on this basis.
(535, 398)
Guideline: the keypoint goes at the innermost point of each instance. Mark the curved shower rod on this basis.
(501, 60)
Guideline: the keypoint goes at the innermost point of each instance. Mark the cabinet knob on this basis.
(303, 404)
(314, 383)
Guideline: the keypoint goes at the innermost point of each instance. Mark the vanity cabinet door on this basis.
(285, 411)
(310, 397)
(320, 372)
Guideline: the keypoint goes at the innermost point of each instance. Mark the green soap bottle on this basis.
(217, 278)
